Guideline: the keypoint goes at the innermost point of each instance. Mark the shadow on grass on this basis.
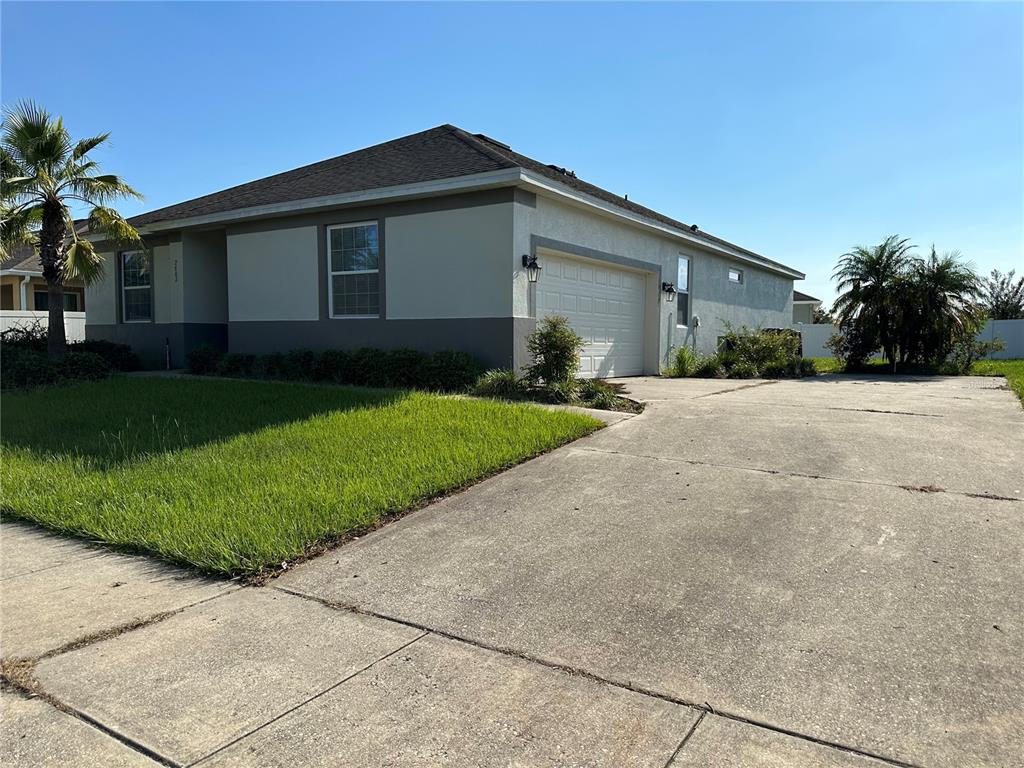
(117, 421)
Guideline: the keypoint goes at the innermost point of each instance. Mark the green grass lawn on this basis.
(234, 477)
(1013, 370)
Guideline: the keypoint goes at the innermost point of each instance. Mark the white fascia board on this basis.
(543, 185)
(487, 180)
(20, 273)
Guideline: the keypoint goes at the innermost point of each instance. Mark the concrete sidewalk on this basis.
(813, 573)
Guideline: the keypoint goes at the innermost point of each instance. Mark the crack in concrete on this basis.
(686, 738)
(311, 698)
(789, 473)
(704, 708)
(840, 408)
(736, 389)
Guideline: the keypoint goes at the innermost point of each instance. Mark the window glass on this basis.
(683, 291)
(735, 275)
(136, 289)
(354, 270)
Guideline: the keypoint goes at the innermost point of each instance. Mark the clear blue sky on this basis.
(796, 130)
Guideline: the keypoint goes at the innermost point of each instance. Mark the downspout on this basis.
(24, 292)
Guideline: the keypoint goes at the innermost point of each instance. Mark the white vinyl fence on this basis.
(74, 322)
(1011, 332)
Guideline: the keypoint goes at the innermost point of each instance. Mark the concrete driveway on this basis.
(826, 572)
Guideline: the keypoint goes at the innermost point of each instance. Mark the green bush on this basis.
(236, 365)
(203, 359)
(501, 383)
(450, 371)
(743, 370)
(595, 393)
(710, 367)
(684, 364)
(83, 366)
(31, 337)
(23, 367)
(297, 365)
(119, 356)
(808, 367)
(555, 348)
(332, 365)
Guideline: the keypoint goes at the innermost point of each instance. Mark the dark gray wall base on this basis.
(491, 340)
(148, 340)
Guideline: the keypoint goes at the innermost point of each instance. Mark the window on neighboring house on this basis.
(683, 291)
(353, 270)
(136, 287)
(735, 275)
(41, 301)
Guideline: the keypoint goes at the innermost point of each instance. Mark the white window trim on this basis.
(689, 279)
(331, 273)
(120, 269)
(739, 272)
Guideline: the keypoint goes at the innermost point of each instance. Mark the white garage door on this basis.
(605, 305)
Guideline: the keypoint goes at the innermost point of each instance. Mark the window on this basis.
(683, 291)
(353, 270)
(41, 301)
(136, 287)
(735, 275)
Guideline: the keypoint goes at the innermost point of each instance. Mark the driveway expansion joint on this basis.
(313, 698)
(704, 709)
(686, 738)
(738, 389)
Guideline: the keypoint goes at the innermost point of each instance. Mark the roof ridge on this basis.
(480, 146)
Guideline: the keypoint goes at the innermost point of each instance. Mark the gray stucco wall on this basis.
(764, 300)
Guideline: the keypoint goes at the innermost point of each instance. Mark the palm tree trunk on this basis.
(51, 251)
(56, 340)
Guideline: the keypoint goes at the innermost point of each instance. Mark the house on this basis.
(431, 241)
(804, 307)
(24, 298)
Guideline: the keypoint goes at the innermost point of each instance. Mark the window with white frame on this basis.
(136, 287)
(683, 291)
(735, 275)
(353, 270)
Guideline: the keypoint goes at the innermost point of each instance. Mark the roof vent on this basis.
(495, 142)
(693, 227)
(563, 171)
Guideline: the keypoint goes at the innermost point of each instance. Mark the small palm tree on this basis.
(42, 173)
(868, 279)
(942, 300)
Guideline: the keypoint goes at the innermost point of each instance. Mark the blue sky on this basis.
(797, 130)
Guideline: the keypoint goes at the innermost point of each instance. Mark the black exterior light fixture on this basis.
(532, 267)
(669, 289)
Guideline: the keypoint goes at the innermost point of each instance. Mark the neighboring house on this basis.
(803, 307)
(423, 242)
(24, 299)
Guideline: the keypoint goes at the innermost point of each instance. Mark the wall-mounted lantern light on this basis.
(532, 267)
(669, 289)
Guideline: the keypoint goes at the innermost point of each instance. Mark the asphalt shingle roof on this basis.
(798, 296)
(438, 153)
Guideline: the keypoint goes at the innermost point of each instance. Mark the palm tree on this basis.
(868, 281)
(942, 302)
(42, 173)
(1003, 296)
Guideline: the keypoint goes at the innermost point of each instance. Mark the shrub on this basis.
(761, 351)
(710, 368)
(297, 365)
(83, 366)
(203, 360)
(333, 365)
(685, 362)
(119, 356)
(235, 364)
(555, 348)
(407, 368)
(22, 367)
(853, 345)
(502, 383)
(595, 393)
(560, 391)
(450, 371)
(32, 336)
(744, 369)
(807, 367)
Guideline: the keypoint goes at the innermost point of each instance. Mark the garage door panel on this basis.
(605, 306)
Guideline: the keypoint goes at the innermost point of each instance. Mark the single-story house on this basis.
(804, 307)
(431, 241)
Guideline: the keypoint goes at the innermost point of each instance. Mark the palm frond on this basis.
(19, 226)
(99, 190)
(85, 146)
(114, 227)
(82, 262)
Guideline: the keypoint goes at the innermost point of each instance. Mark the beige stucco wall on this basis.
(168, 283)
(449, 264)
(273, 275)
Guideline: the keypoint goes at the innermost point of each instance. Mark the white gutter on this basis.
(24, 291)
